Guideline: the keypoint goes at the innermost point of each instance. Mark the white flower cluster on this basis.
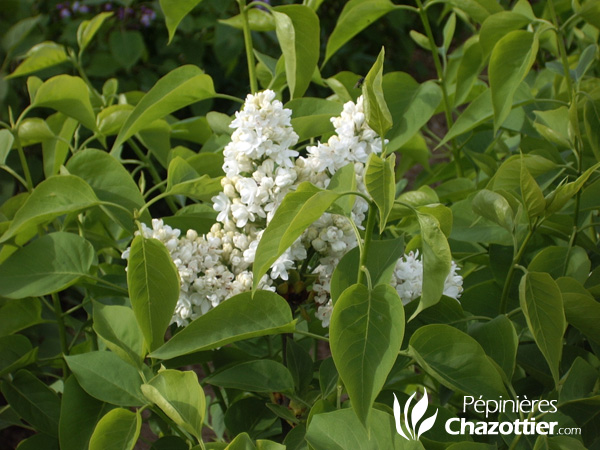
(260, 169)
(408, 278)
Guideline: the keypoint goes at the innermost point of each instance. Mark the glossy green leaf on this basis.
(381, 261)
(47, 265)
(55, 151)
(377, 114)
(126, 47)
(456, 360)
(242, 316)
(52, 198)
(420, 39)
(16, 352)
(19, 314)
(366, 332)
(88, 29)
(33, 131)
(297, 211)
(494, 207)
(6, 143)
(179, 88)
(181, 398)
(297, 28)
(68, 95)
(311, 116)
(79, 414)
(42, 56)
(558, 198)
(381, 185)
(499, 340)
(258, 20)
(553, 125)
(241, 442)
(35, 402)
(118, 429)
(182, 179)
(532, 195)
(496, 26)
(478, 10)
(107, 377)
(510, 62)
(343, 180)
(175, 11)
(341, 430)
(469, 68)
(355, 17)
(263, 375)
(117, 327)
(542, 305)
(582, 310)
(437, 260)
(153, 288)
(561, 261)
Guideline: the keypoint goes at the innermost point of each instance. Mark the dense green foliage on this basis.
(492, 164)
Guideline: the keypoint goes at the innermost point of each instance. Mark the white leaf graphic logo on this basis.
(417, 414)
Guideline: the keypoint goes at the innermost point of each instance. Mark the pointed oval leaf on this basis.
(175, 11)
(107, 377)
(88, 29)
(456, 360)
(42, 56)
(494, 207)
(68, 95)
(377, 113)
(153, 284)
(533, 197)
(242, 316)
(582, 310)
(6, 143)
(366, 332)
(47, 265)
(179, 88)
(297, 28)
(118, 429)
(542, 305)
(499, 340)
(380, 182)
(53, 197)
(180, 396)
(510, 62)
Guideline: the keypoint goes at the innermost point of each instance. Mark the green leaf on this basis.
(39, 441)
(263, 375)
(449, 29)
(16, 352)
(533, 197)
(79, 414)
(47, 265)
(469, 68)
(55, 151)
(68, 95)
(478, 10)
(499, 340)
(496, 26)
(300, 365)
(35, 402)
(557, 199)
(297, 211)
(182, 179)
(343, 180)
(561, 261)
(510, 62)
(258, 20)
(590, 12)
(591, 121)
(411, 105)
(366, 333)
(297, 28)
(494, 207)
(553, 125)
(153, 288)
(52, 198)
(107, 377)
(381, 261)
(181, 398)
(456, 360)
(6, 142)
(118, 429)
(126, 48)
(437, 260)
(33, 131)
(242, 316)
(110, 181)
(341, 430)
(377, 114)
(542, 305)
(241, 442)
(40, 57)
(19, 31)
(179, 88)
(355, 17)
(20, 314)
(311, 116)
(578, 382)
(117, 327)
(88, 29)
(582, 310)
(175, 11)
(380, 182)
(420, 39)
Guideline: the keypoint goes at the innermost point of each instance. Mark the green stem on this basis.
(24, 164)
(561, 49)
(367, 242)
(249, 47)
(229, 97)
(440, 74)
(511, 271)
(15, 174)
(311, 335)
(62, 332)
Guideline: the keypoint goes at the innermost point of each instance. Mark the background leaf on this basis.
(175, 11)
(263, 375)
(118, 429)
